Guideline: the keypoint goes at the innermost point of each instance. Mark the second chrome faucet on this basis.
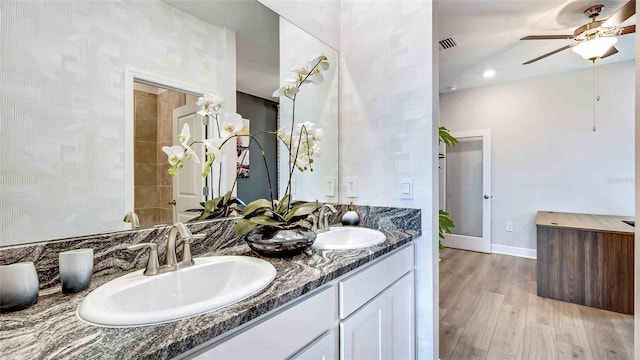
(171, 262)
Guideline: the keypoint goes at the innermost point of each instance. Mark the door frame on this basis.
(132, 75)
(462, 241)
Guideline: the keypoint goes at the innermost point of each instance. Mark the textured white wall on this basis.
(315, 103)
(545, 155)
(62, 69)
(320, 18)
(636, 333)
(387, 123)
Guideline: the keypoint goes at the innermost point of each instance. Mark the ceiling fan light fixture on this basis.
(594, 48)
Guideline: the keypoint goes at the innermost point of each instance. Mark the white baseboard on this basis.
(514, 251)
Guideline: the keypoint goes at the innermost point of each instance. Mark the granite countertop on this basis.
(51, 330)
(587, 222)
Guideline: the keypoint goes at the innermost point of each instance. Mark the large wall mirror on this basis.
(90, 92)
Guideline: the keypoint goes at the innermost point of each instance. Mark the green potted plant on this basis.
(445, 224)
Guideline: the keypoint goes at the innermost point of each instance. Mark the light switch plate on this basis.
(406, 188)
(351, 186)
(293, 185)
(330, 186)
(509, 226)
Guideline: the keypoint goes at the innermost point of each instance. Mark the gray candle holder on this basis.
(76, 268)
(19, 286)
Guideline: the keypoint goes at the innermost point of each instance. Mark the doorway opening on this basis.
(159, 112)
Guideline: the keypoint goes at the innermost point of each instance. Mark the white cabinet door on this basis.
(400, 301)
(384, 328)
(326, 348)
(362, 335)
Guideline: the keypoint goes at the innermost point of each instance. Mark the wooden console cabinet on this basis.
(586, 259)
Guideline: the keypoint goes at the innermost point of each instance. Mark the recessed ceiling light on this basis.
(488, 74)
(451, 88)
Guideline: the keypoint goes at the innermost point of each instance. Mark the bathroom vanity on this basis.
(586, 259)
(347, 304)
(365, 314)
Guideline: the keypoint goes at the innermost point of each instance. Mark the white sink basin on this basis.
(346, 238)
(138, 300)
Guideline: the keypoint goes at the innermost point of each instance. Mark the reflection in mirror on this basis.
(81, 146)
(158, 113)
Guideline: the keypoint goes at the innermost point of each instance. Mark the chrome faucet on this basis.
(323, 217)
(171, 262)
(132, 217)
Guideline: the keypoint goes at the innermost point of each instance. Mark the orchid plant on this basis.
(227, 126)
(300, 141)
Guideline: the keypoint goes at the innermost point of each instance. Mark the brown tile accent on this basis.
(145, 152)
(162, 177)
(146, 196)
(145, 108)
(165, 195)
(146, 130)
(164, 216)
(147, 216)
(145, 174)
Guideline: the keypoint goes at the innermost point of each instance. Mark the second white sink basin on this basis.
(138, 300)
(347, 238)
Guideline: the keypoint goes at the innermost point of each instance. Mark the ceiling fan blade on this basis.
(625, 12)
(612, 51)
(548, 37)
(547, 54)
(628, 30)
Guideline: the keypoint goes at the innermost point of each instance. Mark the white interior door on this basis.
(188, 185)
(467, 190)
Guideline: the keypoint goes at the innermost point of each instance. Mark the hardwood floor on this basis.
(489, 310)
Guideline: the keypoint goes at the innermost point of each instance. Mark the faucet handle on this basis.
(187, 258)
(152, 263)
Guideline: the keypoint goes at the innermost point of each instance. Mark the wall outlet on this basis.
(509, 226)
(330, 186)
(351, 187)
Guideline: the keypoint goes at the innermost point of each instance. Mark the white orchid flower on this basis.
(174, 153)
(210, 104)
(289, 89)
(214, 147)
(232, 123)
(185, 135)
(302, 70)
(315, 78)
(321, 61)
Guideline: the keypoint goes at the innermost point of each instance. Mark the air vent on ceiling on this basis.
(448, 43)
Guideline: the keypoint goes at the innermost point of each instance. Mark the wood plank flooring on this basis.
(489, 310)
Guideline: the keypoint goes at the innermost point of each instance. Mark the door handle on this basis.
(487, 196)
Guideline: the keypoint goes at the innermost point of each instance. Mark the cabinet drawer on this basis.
(358, 289)
(283, 334)
(325, 348)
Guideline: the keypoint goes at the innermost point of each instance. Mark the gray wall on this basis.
(264, 117)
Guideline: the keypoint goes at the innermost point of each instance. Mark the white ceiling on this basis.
(488, 33)
(257, 39)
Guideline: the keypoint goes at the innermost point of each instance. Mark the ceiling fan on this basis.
(595, 39)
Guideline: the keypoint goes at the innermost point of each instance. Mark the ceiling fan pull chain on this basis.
(596, 93)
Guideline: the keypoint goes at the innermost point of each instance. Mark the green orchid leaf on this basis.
(212, 204)
(282, 204)
(265, 220)
(243, 227)
(204, 214)
(302, 209)
(256, 205)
